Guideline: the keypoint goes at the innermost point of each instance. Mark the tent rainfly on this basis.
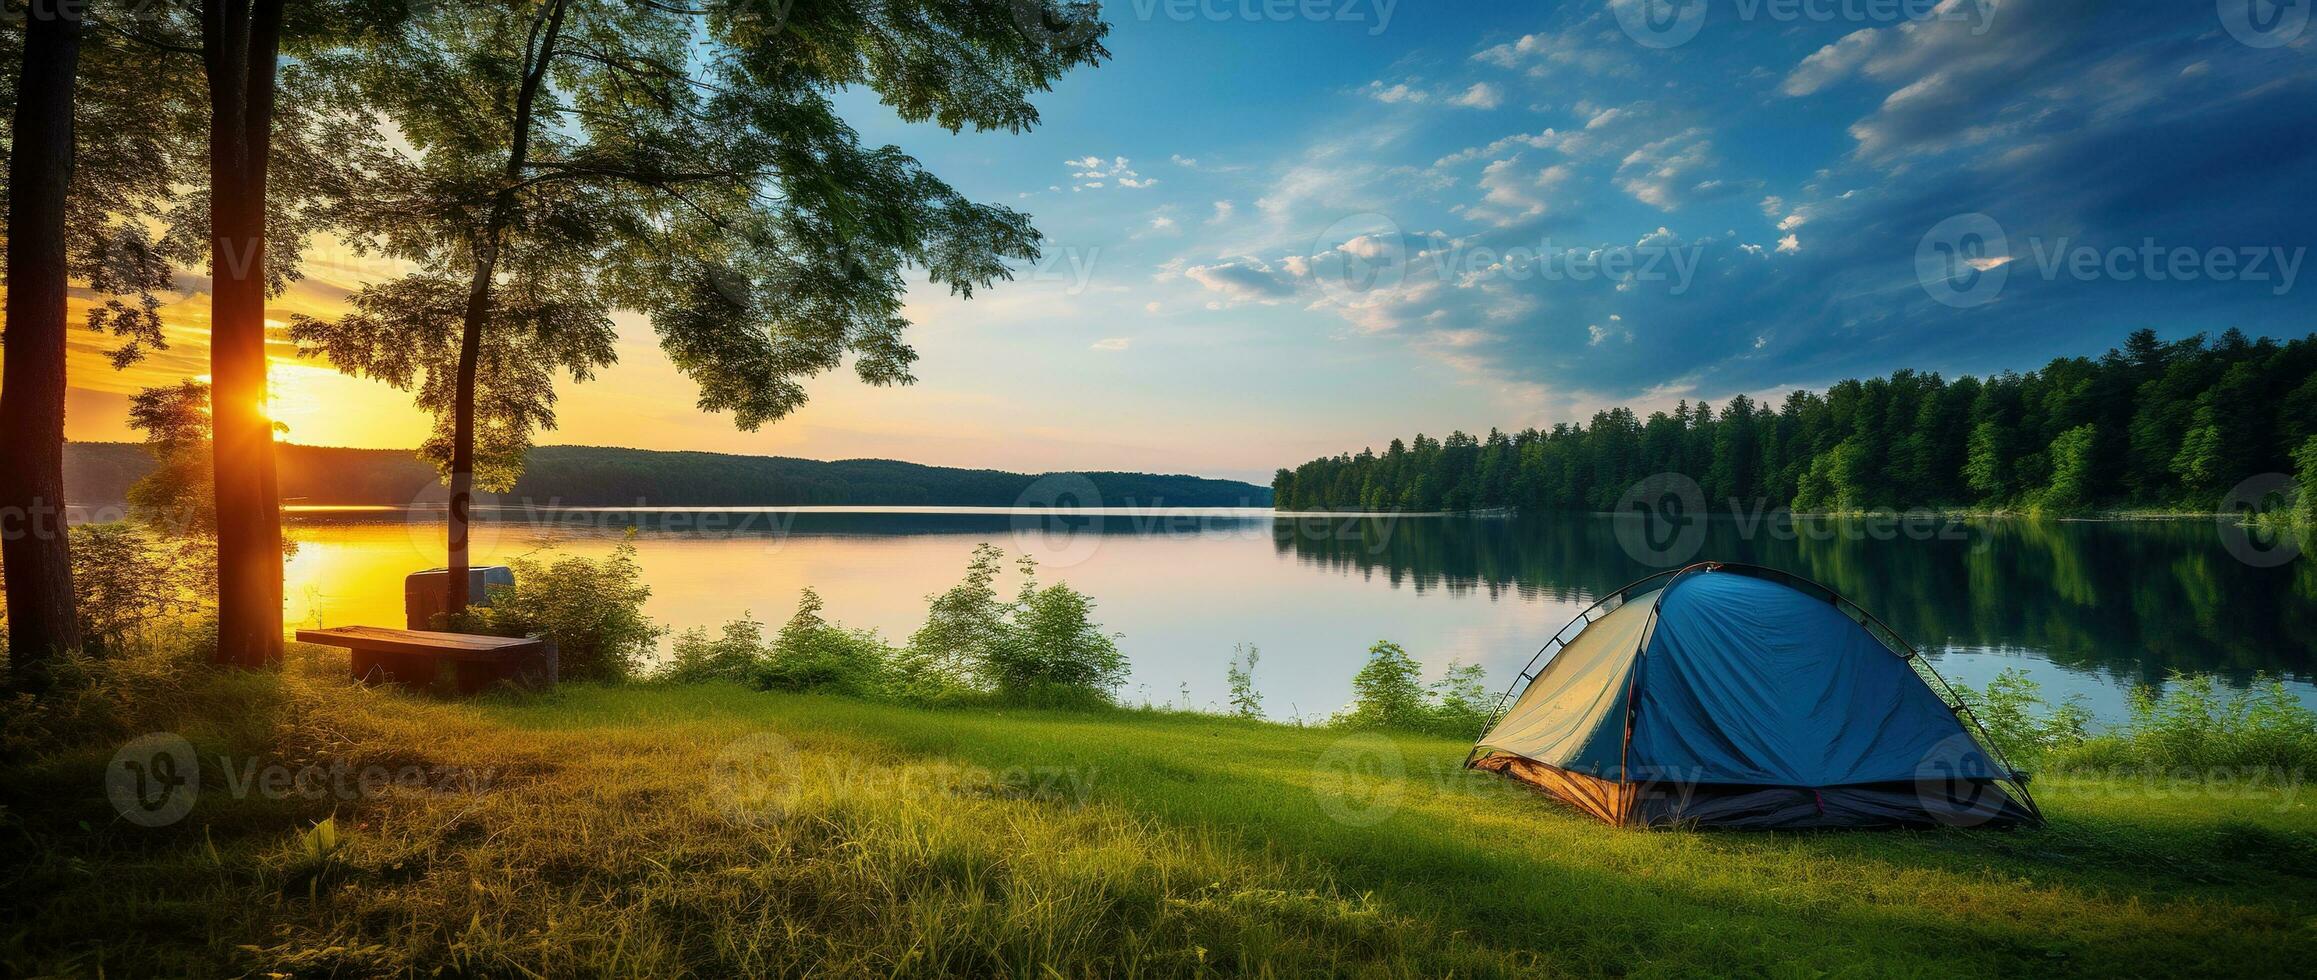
(1724, 695)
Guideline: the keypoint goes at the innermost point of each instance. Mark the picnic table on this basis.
(414, 657)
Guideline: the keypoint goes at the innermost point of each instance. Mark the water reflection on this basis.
(2135, 599)
(2089, 608)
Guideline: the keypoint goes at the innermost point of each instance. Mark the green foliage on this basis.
(177, 496)
(1388, 692)
(812, 654)
(2305, 481)
(129, 581)
(1461, 701)
(1054, 653)
(1041, 648)
(2193, 725)
(2156, 424)
(2071, 469)
(569, 157)
(1246, 702)
(737, 654)
(593, 610)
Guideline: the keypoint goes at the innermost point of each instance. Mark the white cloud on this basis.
(1092, 172)
(1223, 212)
(1481, 95)
(1112, 344)
(1163, 224)
(1184, 161)
(1516, 192)
(1665, 173)
(1790, 244)
(1243, 279)
(1151, 307)
(1396, 93)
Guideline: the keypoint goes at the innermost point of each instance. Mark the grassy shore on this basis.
(709, 830)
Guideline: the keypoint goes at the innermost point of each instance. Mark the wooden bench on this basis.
(413, 657)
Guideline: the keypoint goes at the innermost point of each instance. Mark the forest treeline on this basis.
(585, 476)
(2158, 424)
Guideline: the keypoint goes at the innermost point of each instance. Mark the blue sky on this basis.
(1277, 229)
(1770, 182)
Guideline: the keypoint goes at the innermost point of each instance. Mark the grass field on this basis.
(713, 830)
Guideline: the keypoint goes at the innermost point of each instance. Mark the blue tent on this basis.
(1737, 696)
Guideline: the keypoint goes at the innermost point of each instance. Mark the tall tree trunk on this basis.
(240, 42)
(34, 551)
(538, 51)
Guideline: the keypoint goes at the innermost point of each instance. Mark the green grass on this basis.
(712, 830)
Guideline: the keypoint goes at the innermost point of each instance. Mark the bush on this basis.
(128, 580)
(1245, 701)
(2194, 723)
(738, 654)
(1042, 648)
(813, 655)
(1389, 693)
(1460, 700)
(593, 610)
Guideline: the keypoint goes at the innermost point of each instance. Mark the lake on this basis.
(2088, 608)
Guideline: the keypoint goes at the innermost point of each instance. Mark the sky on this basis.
(1276, 230)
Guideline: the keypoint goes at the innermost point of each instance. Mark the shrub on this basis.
(1042, 648)
(1461, 702)
(812, 654)
(737, 654)
(128, 581)
(1245, 701)
(593, 610)
(2193, 723)
(1388, 692)
(1053, 652)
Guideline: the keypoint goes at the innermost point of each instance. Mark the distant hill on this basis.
(99, 473)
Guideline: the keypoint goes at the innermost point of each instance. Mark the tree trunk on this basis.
(34, 551)
(538, 52)
(240, 41)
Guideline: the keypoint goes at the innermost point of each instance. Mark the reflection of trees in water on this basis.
(2135, 599)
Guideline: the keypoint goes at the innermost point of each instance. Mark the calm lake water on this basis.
(2089, 608)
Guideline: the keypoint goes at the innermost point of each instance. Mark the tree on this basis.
(2305, 476)
(178, 495)
(34, 551)
(574, 156)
